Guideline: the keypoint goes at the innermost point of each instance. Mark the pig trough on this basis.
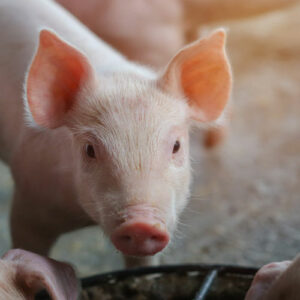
(176, 282)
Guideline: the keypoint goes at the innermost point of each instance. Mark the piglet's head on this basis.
(23, 274)
(130, 132)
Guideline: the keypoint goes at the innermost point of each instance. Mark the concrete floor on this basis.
(245, 204)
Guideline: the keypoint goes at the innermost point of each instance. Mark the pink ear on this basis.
(56, 75)
(201, 73)
(35, 272)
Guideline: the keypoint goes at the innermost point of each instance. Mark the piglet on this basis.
(23, 274)
(104, 141)
(276, 281)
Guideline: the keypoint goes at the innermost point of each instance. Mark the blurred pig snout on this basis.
(140, 238)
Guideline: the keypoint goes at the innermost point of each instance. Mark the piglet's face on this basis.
(133, 159)
(130, 133)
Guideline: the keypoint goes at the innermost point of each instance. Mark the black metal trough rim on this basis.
(211, 272)
(165, 269)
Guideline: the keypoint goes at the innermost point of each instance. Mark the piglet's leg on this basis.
(214, 137)
(134, 262)
(27, 230)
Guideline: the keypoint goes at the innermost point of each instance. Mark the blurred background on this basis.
(245, 202)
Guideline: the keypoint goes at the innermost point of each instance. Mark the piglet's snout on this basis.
(140, 238)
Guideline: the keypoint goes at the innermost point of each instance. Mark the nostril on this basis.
(158, 238)
(126, 239)
(154, 238)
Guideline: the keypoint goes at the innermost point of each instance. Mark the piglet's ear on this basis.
(201, 73)
(35, 272)
(56, 75)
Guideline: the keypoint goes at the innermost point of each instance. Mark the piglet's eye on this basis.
(176, 147)
(89, 149)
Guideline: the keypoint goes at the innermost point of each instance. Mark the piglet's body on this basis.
(94, 139)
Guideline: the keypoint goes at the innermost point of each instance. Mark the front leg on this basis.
(27, 230)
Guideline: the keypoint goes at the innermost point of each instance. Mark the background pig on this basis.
(276, 281)
(23, 274)
(203, 12)
(150, 32)
(107, 141)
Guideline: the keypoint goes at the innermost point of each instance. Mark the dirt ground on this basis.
(245, 204)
